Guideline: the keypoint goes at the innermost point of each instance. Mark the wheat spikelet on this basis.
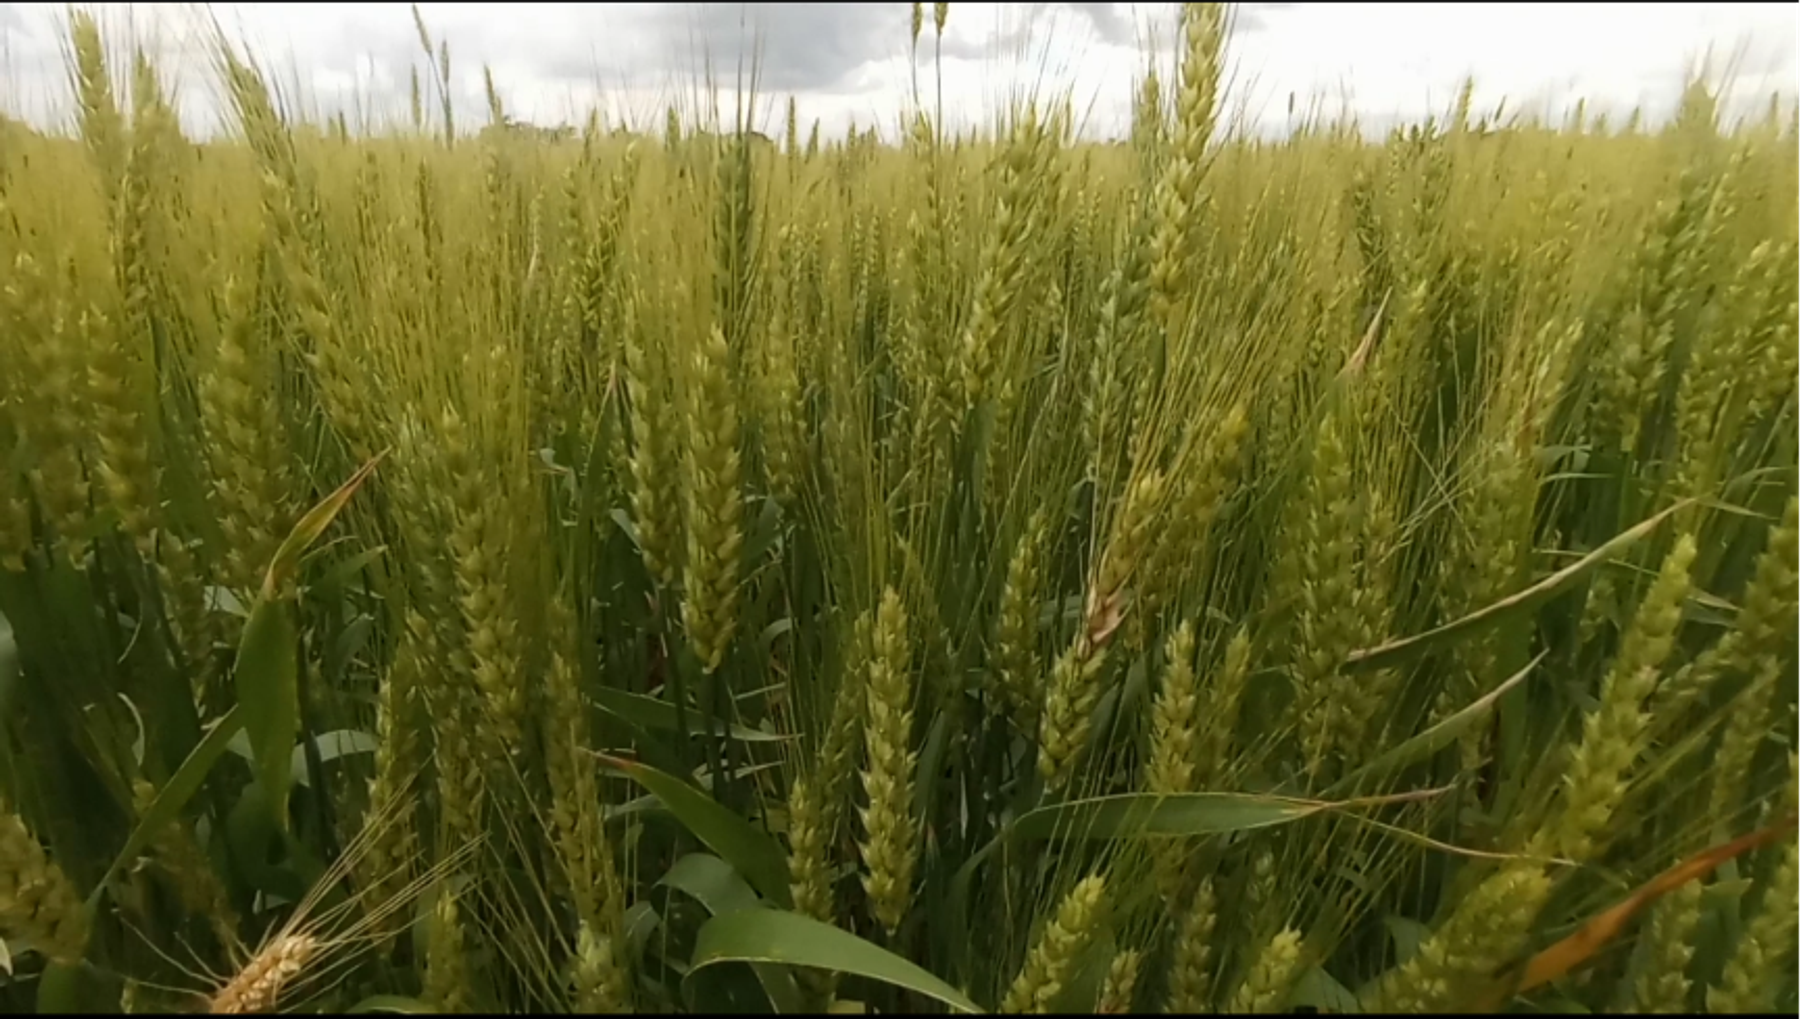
(258, 986)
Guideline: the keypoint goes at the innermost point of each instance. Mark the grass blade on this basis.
(738, 842)
(714, 884)
(652, 713)
(268, 680)
(1394, 652)
(394, 1003)
(287, 557)
(174, 795)
(1148, 815)
(778, 936)
(1439, 736)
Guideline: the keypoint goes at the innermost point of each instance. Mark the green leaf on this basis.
(1148, 815)
(1081, 991)
(341, 573)
(263, 853)
(1439, 736)
(350, 642)
(641, 921)
(223, 599)
(711, 882)
(9, 663)
(137, 722)
(268, 677)
(267, 670)
(391, 1003)
(655, 713)
(1395, 652)
(1408, 935)
(748, 849)
(59, 989)
(778, 936)
(307, 531)
(1320, 990)
(764, 532)
(331, 746)
(174, 795)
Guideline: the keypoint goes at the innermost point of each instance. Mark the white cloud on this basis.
(553, 62)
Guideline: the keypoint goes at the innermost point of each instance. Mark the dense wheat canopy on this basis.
(470, 568)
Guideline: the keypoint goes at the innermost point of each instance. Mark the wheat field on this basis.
(458, 569)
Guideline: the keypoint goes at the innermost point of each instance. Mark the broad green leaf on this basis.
(738, 842)
(59, 989)
(711, 882)
(267, 669)
(779, 936)
(1395, 652)
(268, 677)
(172, 797)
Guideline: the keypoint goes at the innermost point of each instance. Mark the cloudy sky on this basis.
(851, 62)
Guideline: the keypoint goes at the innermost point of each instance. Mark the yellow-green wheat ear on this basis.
(37, 903)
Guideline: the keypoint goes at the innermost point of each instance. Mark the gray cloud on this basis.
(792, 47)
(360, 56)
(1012, 33)
(1113, 27)
(1113, 23)
(797, 47)
(800, 46)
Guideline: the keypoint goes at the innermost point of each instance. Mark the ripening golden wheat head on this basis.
(258, 986)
